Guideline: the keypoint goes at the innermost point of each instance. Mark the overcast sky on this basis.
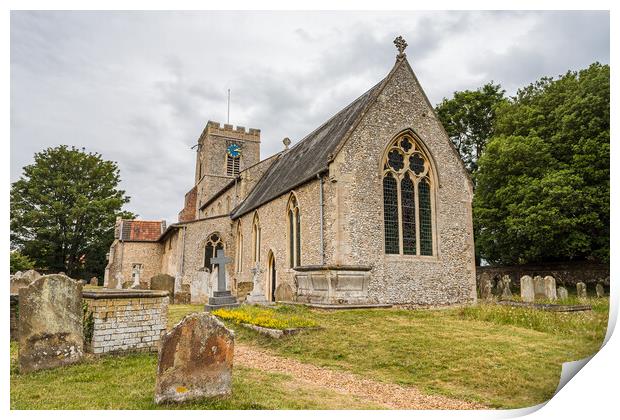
(139, 87)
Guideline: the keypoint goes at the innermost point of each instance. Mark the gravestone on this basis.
(94, 281)
(284, 293)
(539, 288)
(486, 286)
(23, 279)
(222, 298)
(50, 323)
(504, 287)
(582, 291)
(195, 360)
(200, 287)
(527, 289)
(257, 295)
(550, 290)
(600, 290)
(562, 293)
(164, 282)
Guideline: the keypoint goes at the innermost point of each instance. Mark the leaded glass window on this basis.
(407, 198)
(213, 244)
(294, 232)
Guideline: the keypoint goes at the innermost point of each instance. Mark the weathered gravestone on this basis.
(562, 293)
(94, 281)
(284, 293)
(50, 323)
(539, 287)
(486, 286)
(527, 289)
(600, 290)
(504, 287)
(19, 280)
(200, 287)
(257, 295)
(550, 290)
(195, 360)
(582, 292)
(164, 282)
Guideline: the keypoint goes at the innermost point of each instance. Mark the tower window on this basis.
(232, 165)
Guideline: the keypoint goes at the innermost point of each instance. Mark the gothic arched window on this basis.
(407, 198)
(213, 244)
(294, 232)
(239, 259)
(256, 239)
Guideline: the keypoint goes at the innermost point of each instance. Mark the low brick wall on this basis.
(121, 321)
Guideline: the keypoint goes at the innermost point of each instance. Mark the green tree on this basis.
(63, 210)
(469, 120)
(542, 186)
(20, 262)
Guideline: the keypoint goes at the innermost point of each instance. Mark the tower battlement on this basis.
(214, 128)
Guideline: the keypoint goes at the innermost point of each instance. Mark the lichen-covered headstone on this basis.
(164, 282)
(94, 281)
(195, 360)
(284, 293)
(562, 293)
(600, 290)
(19, 280)
(504, 287)
(527, 289)
(582, 292)
(50, 323)
(550, 290)
(486, 286)
(539, 287)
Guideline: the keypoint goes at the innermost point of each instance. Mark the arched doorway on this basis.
(271, 261)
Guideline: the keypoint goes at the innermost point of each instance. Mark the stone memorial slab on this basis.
(539, 287)
(163, 282)
(582, 291)
(195, 360)
(527, 289)
(550, 290)
(486, 286)
(562, 293)
(50, 323)
(504, 287)
(600, 290)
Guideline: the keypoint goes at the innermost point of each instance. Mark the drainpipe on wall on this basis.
(322, 248)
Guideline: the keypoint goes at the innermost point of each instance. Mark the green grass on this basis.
(128, 382)
(500, 356)
(280, 317)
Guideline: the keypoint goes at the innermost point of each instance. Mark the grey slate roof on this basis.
(307, 158)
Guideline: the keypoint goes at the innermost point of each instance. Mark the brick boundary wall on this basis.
(126, 320)
(566, 274)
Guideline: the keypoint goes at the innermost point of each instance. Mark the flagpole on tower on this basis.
(228, 113)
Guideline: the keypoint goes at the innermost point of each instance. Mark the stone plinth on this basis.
(50, 323)
(332, 284)
(125, 320)
(195, 360)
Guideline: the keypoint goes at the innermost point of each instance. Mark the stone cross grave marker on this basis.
(221, 298)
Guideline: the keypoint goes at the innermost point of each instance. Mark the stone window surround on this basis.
(293, 254)
(432, 176)
(256, 238)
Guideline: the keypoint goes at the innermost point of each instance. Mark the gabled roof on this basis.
(141, 230)
(307, 158)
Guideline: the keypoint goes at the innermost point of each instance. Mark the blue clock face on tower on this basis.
(233, 150)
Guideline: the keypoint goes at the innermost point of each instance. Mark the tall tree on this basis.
(63, 210)
(543, 181)
(469, 120)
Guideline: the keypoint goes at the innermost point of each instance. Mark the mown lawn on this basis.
(500, 356)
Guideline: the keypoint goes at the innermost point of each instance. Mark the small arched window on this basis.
(407, 198)
(294, 231)
(239, 256)
(211, 247)
(256, 239)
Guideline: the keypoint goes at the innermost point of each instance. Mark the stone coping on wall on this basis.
(123, 293)
(333, 268)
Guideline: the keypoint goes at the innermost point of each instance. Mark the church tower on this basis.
(222, 153)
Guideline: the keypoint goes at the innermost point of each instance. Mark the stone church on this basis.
(372, 207)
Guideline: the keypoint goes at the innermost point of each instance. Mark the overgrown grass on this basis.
(489, 354)
(128, 382)
(280, 317)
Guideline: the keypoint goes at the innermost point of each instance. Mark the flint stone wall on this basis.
(50, 323)
(126, 320)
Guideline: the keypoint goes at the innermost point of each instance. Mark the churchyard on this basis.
(486, 355)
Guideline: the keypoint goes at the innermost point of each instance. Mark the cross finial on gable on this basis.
(401, 44)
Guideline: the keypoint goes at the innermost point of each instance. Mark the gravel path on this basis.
(388, 395)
